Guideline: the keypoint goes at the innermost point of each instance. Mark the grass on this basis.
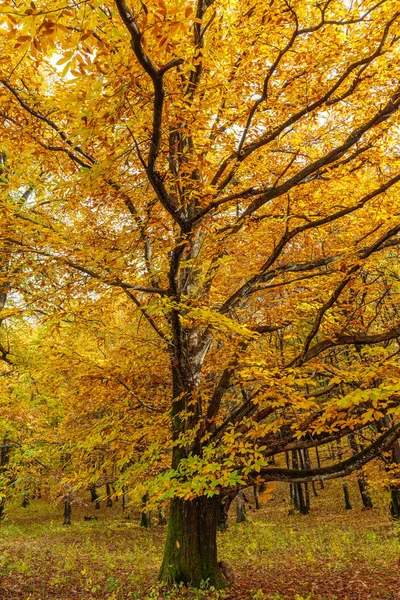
(331, 554)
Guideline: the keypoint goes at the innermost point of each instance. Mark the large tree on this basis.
(231, 170)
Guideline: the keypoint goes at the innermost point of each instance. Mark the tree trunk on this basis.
(108, 494)
(395, 503)
(256, 489)
(94, 497)
(394, 506)
(240, 508)
(161, 517)
(125, 497)
(321, 483)
(305, 463)
(223, 510)
(145, 520)
(362, 484)
(67, 511)
(4, 460)
(190, 554)
(364, 493)
(347, 502)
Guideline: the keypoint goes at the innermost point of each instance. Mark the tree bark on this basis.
(145, 520)
(161, 517)
(362, 484)
(4, 460)
(190, 554)
(67, 511)
(94, 497)
(395, 503)
(347, 502)
(321, 483)
(240, 508)
(109, 495)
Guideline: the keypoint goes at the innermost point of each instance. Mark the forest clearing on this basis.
(330, 554)
(199, 299)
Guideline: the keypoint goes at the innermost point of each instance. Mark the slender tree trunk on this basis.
(394, 506)
(301, 496)
(161, 517)
(4, 460)
(321, 482)
(347, 502)
(240, 508)
(190, 553)
(362, 484)
(94, 497)
(108, 494)
(256, 490)
(67, 510)
(305, 463)
(125, 497)
(145, 520)
(395, 503)
(223, 510)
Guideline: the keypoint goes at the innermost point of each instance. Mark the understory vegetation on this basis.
(346, 554)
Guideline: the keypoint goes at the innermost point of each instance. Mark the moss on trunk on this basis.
(190, 555)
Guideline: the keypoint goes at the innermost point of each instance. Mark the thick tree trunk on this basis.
(190, 554)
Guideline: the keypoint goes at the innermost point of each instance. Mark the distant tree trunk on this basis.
(308, 464)
(161, 517)
(191, 548)
(395, 487)
(347, 502)
(256, 489)
(108, 494)
(94, 496)
(394, 506)
(362, 484)
(4, 460)
(67, 510)
(321, 481)
(305, 462)
(240, 508)
(223, 510)
(145, 520)
(301, 496)
(125, 497)
(291, 486)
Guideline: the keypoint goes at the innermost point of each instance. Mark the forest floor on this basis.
(331, 554)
